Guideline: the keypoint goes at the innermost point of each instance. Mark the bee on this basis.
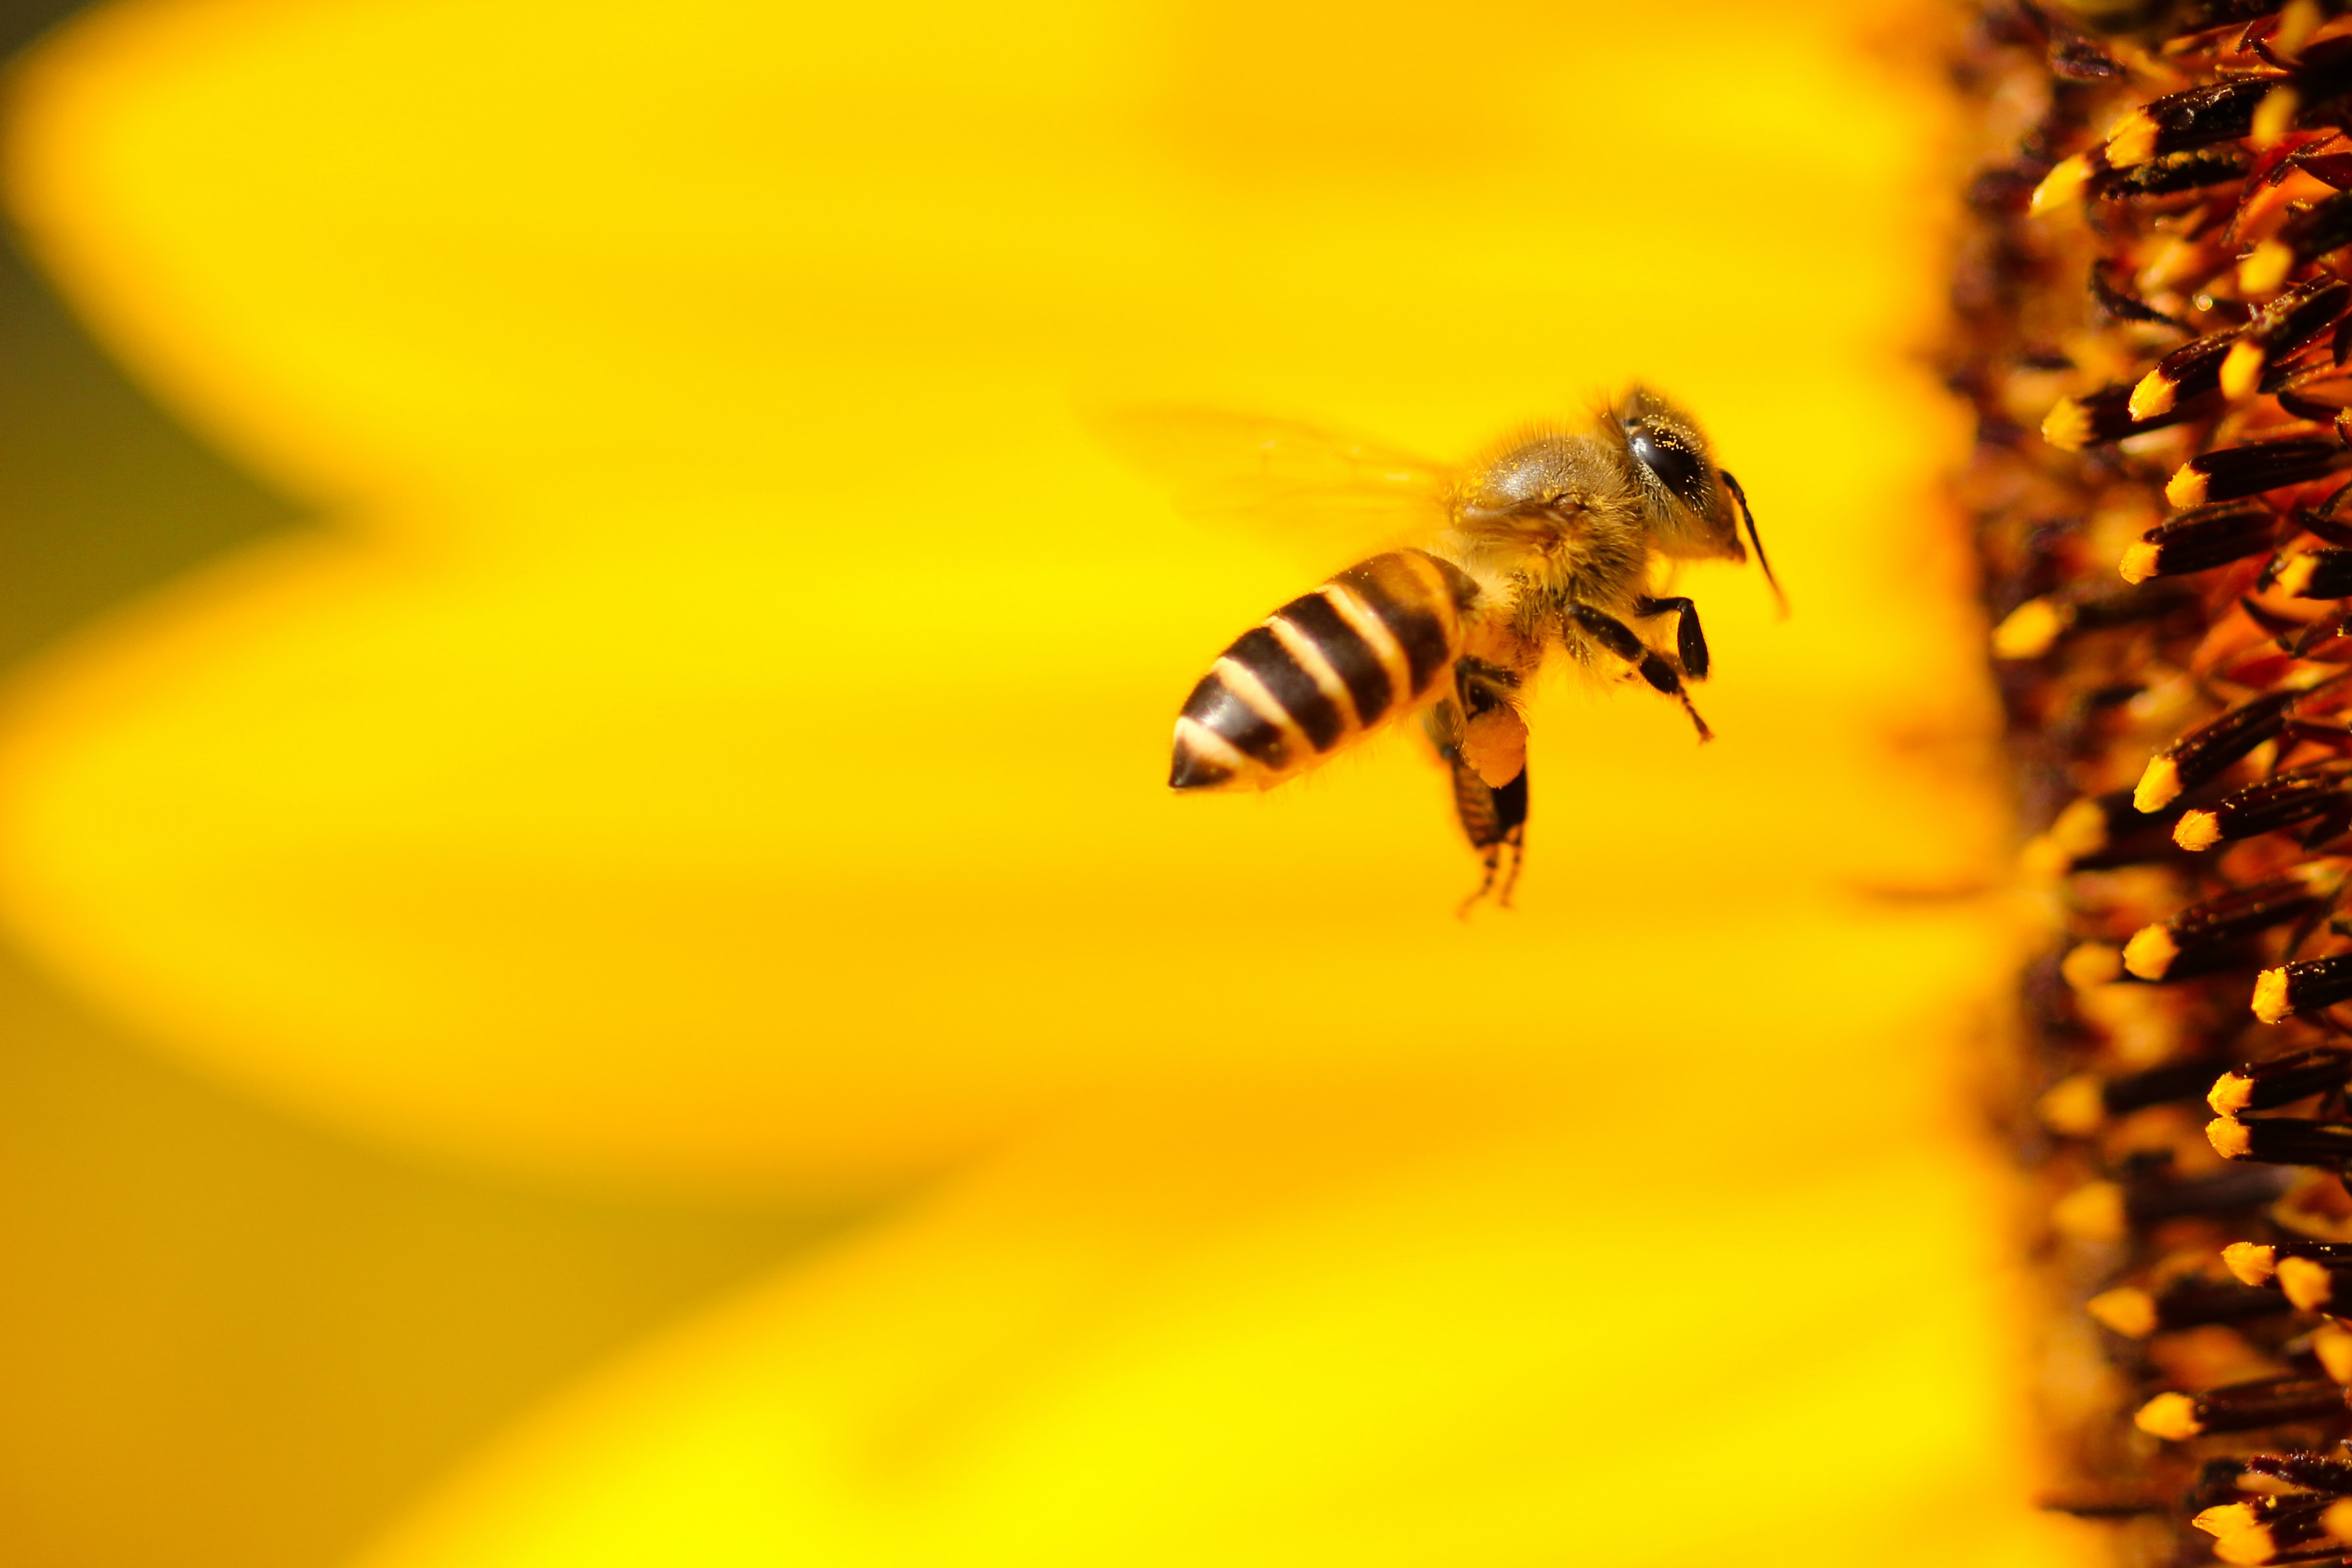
(1551, 541)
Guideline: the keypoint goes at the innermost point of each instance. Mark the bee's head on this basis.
(1688, 509)
(1691, 507)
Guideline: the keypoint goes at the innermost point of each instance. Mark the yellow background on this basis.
(688, 805)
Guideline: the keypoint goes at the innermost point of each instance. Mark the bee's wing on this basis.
(1333, 497)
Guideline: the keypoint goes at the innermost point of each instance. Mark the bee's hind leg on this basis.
(1496, 823)
(1492, 817)
(1656, 668)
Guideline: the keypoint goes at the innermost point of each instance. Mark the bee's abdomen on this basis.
(1321, 670)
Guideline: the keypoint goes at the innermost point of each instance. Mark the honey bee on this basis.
(1550, 541)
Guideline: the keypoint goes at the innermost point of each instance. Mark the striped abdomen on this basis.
(1368, 645)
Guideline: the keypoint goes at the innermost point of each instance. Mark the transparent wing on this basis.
(1332, 498)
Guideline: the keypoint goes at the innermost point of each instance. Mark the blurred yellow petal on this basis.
(1339, 1331)
(723, 742)
(719, 742)
(507, 257)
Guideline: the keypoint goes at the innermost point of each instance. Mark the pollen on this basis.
(2170, 569)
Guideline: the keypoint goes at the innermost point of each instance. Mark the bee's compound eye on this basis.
(1676, 467)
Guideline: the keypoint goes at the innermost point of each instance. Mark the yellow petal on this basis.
(1314, 1331)
(724, 742)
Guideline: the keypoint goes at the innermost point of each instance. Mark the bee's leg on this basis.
(1618, 639)
(1494, 819)
(1500, 817)
(1689, 641)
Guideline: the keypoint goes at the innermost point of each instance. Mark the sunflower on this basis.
(711, 745)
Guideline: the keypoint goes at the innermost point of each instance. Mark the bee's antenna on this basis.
(1757, 539)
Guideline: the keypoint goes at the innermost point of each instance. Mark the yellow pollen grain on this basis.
(2337, 1518)
(2197, 831)
(2248, 1546)
(2129, 1312)
(2229, 1137)
(2062, 187)
(2179, 259)
(2042, 860)
(2320, 877)
(2154, 395)
(2226, 1519)
(2270, 996)
(2266, 269)
(2251, 1262)
(2029, 630)
(2297, 23)
(2275, 116)
(2081, 830)
(2092, 1212)
(2133, 141)
(2332, 1344)
(2293, 579)
(2241, 369)
(2091, 964)
(2074, 1107)
(2186, 487)
(2158, 786)
(2150, 952)
(2067, 425)
(2139, 561)
(2172, 1417)
(2306, 1284)
(2231, 1093)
